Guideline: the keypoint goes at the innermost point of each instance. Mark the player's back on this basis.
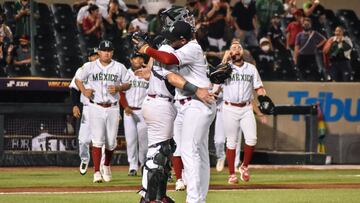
(192, 66)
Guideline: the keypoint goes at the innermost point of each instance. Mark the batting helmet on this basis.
(174, 14)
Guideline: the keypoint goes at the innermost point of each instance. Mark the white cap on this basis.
(264, 39)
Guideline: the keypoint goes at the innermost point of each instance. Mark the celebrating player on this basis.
(84, 133)
(106, 78)
(134, 124)
(238, 109)
(195, 115)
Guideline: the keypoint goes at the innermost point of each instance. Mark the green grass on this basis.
(70, 177)
(247, 196)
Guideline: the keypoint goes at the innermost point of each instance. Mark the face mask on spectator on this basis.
(265, 48)
(246, 2)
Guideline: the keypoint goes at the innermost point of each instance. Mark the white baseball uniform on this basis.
(238, 112)
(219, 134)
(193, 122)
(135, 126)
(103, 107)
(84, 132)
(158, 110)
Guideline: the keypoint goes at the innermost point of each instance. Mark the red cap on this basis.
(24, 37)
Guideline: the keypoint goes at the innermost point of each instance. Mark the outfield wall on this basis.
(340, 104)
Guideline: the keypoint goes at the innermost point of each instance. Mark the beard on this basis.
(236, 58)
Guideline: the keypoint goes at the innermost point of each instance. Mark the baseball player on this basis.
(106, 78)
(238, 110)
(219, 136)
(79, 101)
(134, 124)
(159, 113)
(195, 116)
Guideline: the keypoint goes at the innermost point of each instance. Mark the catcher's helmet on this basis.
(174, 14)
(179, 30)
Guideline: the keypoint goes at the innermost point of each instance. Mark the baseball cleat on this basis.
(220, 165)
(106, 173)
(132, 172)
(97, 177)
(167, 199)
(233, 179)
(83, 167)
(180, 185)
(244, 173)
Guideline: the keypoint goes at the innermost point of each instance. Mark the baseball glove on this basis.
(267, 106)
(219, 74)
(140, 39)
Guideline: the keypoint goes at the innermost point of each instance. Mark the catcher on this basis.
(239, 79)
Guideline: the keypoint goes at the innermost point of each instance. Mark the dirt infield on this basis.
(241, 186)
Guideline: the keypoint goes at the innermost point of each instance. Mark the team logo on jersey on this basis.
(241, 77)
(141, 84)
(105, 77)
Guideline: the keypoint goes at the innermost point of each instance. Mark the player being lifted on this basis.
(106, 78)
(196, 116)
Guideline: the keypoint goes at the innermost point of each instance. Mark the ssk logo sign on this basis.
(13, 83)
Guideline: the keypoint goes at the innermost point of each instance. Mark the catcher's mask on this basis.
(174, 14)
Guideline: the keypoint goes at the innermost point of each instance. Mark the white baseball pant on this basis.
(136, 139)
(196, 121)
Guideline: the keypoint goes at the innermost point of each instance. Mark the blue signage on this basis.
(333, 108)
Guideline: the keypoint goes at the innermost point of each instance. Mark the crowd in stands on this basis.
(286, 42)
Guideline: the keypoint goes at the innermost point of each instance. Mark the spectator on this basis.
(218, 16)
(265, 59)
(122, 6)
(119, 33)
(140, 23)
(293, 29)
(337, 50)
(203, 7)
(20, 56)
(275, 34)
(92, 26)
(289, 8)
(156, 25)
(306, 45)
(110, 22)
(3, 54)
(22, 17)
(83, 12)
(193, 7)
(265, 9)
(5, 30)
(244, 13)
(152, 7)
(316, 12)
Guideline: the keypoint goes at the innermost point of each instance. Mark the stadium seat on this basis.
(62, 13)
(69, 64)
(45, 14)
(15, 71)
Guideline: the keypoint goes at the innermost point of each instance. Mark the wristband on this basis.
(190, 87)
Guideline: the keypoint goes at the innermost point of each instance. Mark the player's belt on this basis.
(183, 101)
(166, 98)
(242, 104)
(134, 108)
(105, 105)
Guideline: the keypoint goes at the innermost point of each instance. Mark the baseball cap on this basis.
(264, 39)
(24, 37)
(106, 45)
(136, 54)
(179, 30)
(92, 51)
